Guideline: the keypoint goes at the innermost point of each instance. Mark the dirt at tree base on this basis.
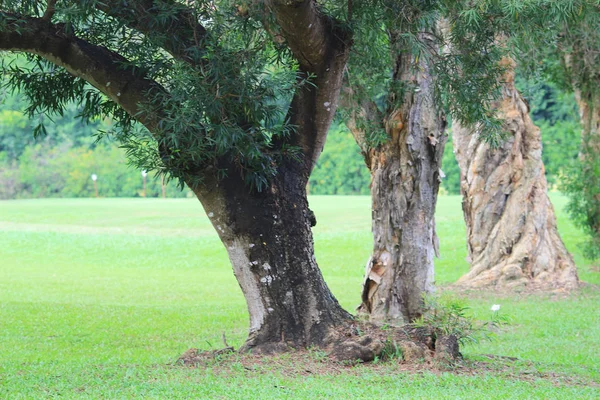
(358, 342)
(316, 362)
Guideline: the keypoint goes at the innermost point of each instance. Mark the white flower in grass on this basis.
(495, 307)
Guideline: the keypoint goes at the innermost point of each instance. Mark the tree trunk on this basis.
(589, 115)
(588, 195)
(405, 177)
(512, 238)
(269, 241)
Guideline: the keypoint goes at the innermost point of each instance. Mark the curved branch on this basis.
(179, 32)
(105, 70)
(321, 48)
(310, 34)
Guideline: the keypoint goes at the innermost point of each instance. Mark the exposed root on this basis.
(357, 342)
(194, 357)
(367, 342)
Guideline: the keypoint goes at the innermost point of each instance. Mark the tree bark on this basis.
(405, 177)
(589, 153)
(512, 238)
(269, 241)
(589, 115)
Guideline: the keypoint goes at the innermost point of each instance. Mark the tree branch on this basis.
(321, 48)
(309, 33)
(105, 70)
(178, 32)
(361, 112)
(50, 9)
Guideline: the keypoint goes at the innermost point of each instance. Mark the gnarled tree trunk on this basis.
(512, 238)
(268, 234)
(405, 177)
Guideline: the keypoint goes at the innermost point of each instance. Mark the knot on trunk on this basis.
(311, 217)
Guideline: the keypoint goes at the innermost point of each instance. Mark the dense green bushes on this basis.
(340, 169)
(65, 171)
(60, 164)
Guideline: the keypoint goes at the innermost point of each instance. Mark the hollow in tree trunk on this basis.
(405, 177)
(512, 238)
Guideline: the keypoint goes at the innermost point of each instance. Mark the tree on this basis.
(404, 184)
(512, 238)
(399, 124)
(578, 51)
(194, 77)
(510, 222)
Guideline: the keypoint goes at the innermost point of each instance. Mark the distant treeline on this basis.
(60, 162)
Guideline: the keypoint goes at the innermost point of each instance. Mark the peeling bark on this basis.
(405, 177)
(512, 238)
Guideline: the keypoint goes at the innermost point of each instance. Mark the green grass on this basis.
(97, 297)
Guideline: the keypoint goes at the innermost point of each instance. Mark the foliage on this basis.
(340, 169)
(64, 171)
(60, 162)
(555, 112)
(449, 316)
(582, 184)
(224, 98)
(451, 182)
(17, 128)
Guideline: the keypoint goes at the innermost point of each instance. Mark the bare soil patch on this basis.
(317, 362)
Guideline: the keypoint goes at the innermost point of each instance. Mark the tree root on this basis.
(366, 342)
(358, 342)
(194, 357)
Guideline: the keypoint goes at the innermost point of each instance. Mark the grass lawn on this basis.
(99, 296)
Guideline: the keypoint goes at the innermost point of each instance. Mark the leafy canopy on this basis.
(222, 92)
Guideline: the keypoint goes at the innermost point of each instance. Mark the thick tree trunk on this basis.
(405, 176)
(268, 234)
(512, 238)
(269, 241)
